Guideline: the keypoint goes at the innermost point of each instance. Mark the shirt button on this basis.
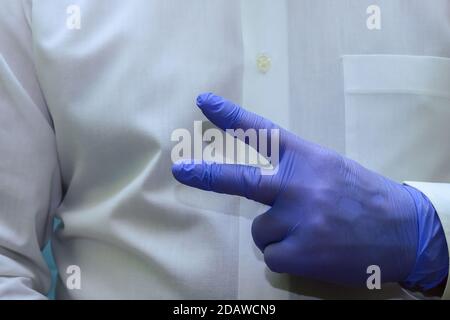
(264, 63)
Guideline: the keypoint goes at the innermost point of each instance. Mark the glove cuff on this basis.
(431, 266)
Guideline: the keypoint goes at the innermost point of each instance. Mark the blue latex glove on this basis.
(330, 218)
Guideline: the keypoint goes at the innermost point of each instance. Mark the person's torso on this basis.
(118, 87)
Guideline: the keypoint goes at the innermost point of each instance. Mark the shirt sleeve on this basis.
(30, 184)
(439, 195)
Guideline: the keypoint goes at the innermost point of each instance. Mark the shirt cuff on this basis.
(439, 195)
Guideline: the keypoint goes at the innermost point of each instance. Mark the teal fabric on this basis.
(48, 255)
(52, 266)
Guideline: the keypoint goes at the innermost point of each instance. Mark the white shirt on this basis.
(86, 117)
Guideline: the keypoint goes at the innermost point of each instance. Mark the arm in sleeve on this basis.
(439, 195)
(30, 186)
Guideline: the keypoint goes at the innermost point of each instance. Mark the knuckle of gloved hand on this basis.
(319, 227)
(237, 116)
(212, 176)
(250, 180)
(325, 163)
(322, 198)
(273, 259)
(208, 176)
(258, 233)
(331, 175)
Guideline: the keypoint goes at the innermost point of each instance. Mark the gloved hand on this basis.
(330, 218)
